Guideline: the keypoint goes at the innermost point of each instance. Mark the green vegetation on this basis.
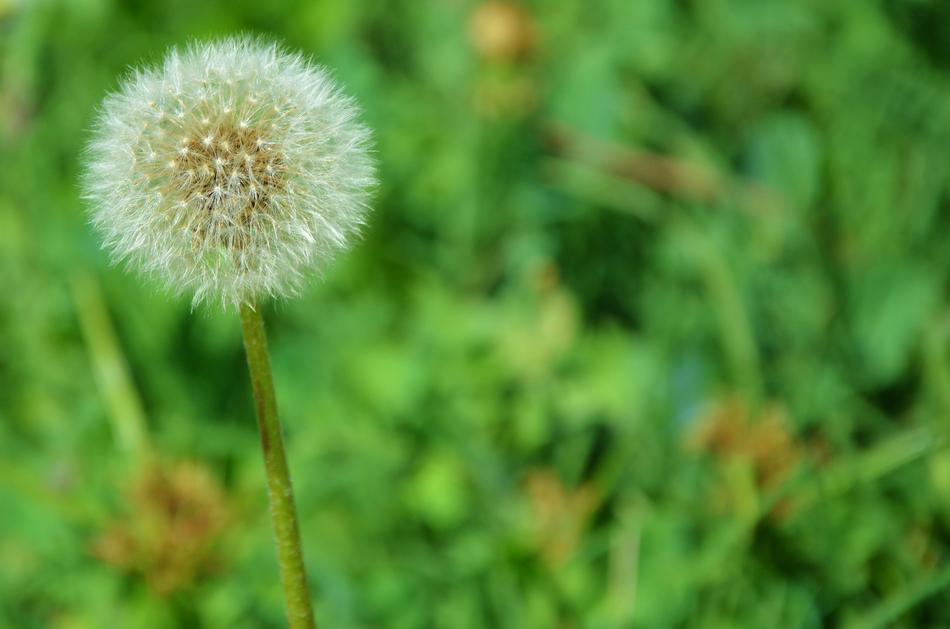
(650, 328)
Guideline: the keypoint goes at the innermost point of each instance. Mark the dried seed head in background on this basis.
(502, 31)
(173, 520)
(229, 171)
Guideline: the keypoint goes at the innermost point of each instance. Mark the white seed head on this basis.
(229, 171)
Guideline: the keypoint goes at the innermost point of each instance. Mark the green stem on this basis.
(282, 509)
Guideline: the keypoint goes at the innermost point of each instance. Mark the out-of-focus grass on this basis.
(650, 328)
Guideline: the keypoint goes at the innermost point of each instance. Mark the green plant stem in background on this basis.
(282, 507)
(110, 367)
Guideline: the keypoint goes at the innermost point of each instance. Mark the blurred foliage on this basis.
(650, 328)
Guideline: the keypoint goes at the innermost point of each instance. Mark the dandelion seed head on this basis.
(229, 172)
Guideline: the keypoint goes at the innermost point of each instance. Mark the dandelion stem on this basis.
(282, 508)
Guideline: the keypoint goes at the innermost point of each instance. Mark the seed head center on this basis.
(228, 168)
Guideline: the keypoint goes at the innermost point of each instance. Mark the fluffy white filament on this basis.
(229, 171)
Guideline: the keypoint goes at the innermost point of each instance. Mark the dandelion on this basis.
(228, 173)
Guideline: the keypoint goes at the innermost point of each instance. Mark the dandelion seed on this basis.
(164, 181)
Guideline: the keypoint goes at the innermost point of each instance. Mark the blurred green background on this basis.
(650, 328)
